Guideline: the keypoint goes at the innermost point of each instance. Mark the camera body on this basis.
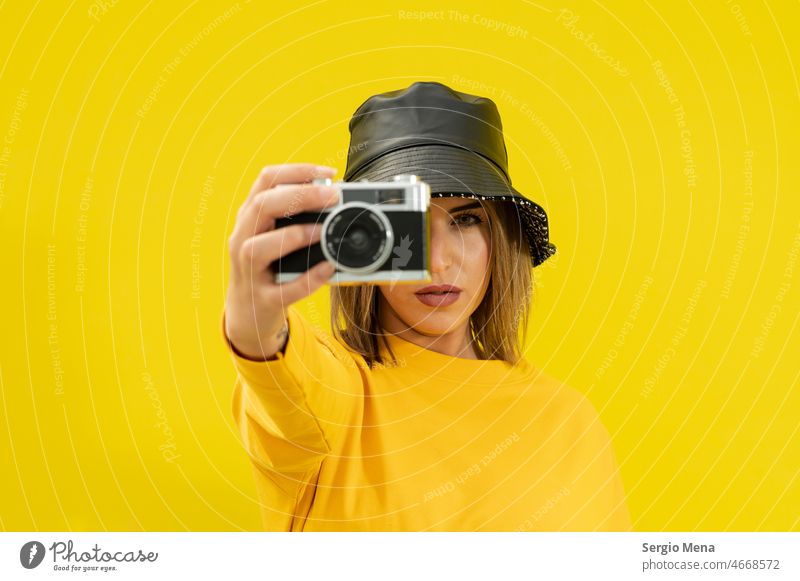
(378, 233)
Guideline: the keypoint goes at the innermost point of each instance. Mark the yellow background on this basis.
(661, 137)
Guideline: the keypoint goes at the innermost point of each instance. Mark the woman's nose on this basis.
(441, 248)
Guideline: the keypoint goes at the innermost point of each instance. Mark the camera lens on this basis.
(357, 237)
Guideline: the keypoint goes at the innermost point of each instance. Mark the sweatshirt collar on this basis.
(419, 360)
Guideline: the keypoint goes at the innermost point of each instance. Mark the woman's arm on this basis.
(295, 394)
(293, 411)
(599, 479)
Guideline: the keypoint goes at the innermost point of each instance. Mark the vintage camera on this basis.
(378, 233)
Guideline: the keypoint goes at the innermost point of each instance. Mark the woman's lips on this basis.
(438, 299)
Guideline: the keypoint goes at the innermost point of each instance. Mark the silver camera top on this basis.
(408, 178)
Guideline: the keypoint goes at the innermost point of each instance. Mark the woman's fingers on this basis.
(283, 201)
(286, 200)
(287, 173)
(272, 176)
(257, 252)
(305, 284)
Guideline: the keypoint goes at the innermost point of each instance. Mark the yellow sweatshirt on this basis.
(434, 443)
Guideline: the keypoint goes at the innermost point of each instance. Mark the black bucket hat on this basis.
(451, 140)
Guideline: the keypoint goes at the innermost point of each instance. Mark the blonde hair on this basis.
(495, 323)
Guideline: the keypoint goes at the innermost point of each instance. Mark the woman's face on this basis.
(460, 254)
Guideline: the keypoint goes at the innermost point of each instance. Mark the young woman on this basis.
(419, 412)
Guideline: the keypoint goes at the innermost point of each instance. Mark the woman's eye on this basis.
(468, 220)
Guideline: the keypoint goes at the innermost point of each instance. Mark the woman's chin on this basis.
(435, 322)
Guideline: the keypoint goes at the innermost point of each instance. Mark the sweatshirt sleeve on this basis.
(598, 476)
(293, 411)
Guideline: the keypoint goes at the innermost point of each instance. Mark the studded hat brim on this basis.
(453, 171)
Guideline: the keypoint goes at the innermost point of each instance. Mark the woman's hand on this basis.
(255, 306)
